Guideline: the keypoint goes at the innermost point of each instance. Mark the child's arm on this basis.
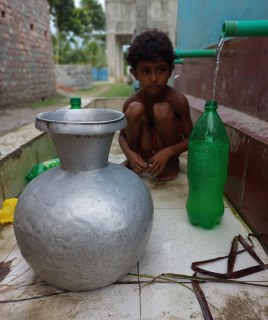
(136, 162)
(158, 162)
(183, 110)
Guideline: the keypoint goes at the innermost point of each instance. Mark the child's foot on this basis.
(168, 175)
(170, 172)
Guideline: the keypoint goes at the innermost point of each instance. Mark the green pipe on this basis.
(179, 61)
(245, 28)
(194, 53)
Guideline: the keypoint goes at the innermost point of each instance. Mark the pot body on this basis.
(84, 229)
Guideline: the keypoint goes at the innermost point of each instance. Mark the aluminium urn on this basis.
(85, 224)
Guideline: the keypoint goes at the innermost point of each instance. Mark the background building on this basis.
(125, 18)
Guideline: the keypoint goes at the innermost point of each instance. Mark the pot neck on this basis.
(79, 153)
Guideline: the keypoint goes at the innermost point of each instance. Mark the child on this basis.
(158, 117)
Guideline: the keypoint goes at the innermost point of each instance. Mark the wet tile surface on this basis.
(173, 246)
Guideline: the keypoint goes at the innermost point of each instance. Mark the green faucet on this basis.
(245, 28)
(194, 53)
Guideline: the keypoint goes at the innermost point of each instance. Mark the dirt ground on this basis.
(11, 119)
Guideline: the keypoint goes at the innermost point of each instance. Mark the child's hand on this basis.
(136, 162)
(158, 162)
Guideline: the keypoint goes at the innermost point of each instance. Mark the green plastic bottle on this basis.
(75, 103)
(42, 167)
(208, 153)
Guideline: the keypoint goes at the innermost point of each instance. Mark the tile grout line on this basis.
(138, 269)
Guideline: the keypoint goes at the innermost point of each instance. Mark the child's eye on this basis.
(145, 71)
(161, 70)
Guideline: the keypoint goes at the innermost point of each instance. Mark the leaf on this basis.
(232, 255)
(5, 268)
(231, 261)
(202, 300)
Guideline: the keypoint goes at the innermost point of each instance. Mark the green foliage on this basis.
(109, 90)
(118, 90)
(71, 52)
(103, 90)
(56, 101)
(95, 54)
(94, 14)
(78, 37)
(62, 13)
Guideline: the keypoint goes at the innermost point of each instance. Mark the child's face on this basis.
(153, 75)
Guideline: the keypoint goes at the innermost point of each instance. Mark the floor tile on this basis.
(174, 243)
(172, 248)
(113, 302)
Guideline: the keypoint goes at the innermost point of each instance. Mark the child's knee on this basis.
(135, 110)
(162, 111)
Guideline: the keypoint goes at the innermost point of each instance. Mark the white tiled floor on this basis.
(174, 244)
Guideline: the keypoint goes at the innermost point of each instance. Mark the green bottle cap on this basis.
(211, 104)
(75, 102)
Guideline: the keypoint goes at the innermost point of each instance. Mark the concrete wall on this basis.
(20, 151)
(120, 26)
(73, 76)
(124, 18)
(241, 89)
(160, 14)
(26, 62)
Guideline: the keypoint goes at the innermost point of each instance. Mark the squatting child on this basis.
(158, 116)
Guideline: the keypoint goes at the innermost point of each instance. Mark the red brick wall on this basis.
(242, 81)
(26, 59)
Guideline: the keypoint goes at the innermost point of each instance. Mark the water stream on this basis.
(219, 47)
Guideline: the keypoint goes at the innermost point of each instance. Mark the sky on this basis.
(102, 2)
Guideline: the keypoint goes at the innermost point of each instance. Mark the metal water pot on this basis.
(85, 224)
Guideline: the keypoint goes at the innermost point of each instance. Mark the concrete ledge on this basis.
(110, 103)
(18, 162)
(25, 147)
(248, 125)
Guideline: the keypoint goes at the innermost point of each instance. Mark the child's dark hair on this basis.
(150, 45)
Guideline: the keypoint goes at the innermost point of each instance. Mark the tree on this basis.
(86, 22)
(62, 13)
(94, 14)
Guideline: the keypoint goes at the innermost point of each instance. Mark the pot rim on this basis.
(73, 121)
